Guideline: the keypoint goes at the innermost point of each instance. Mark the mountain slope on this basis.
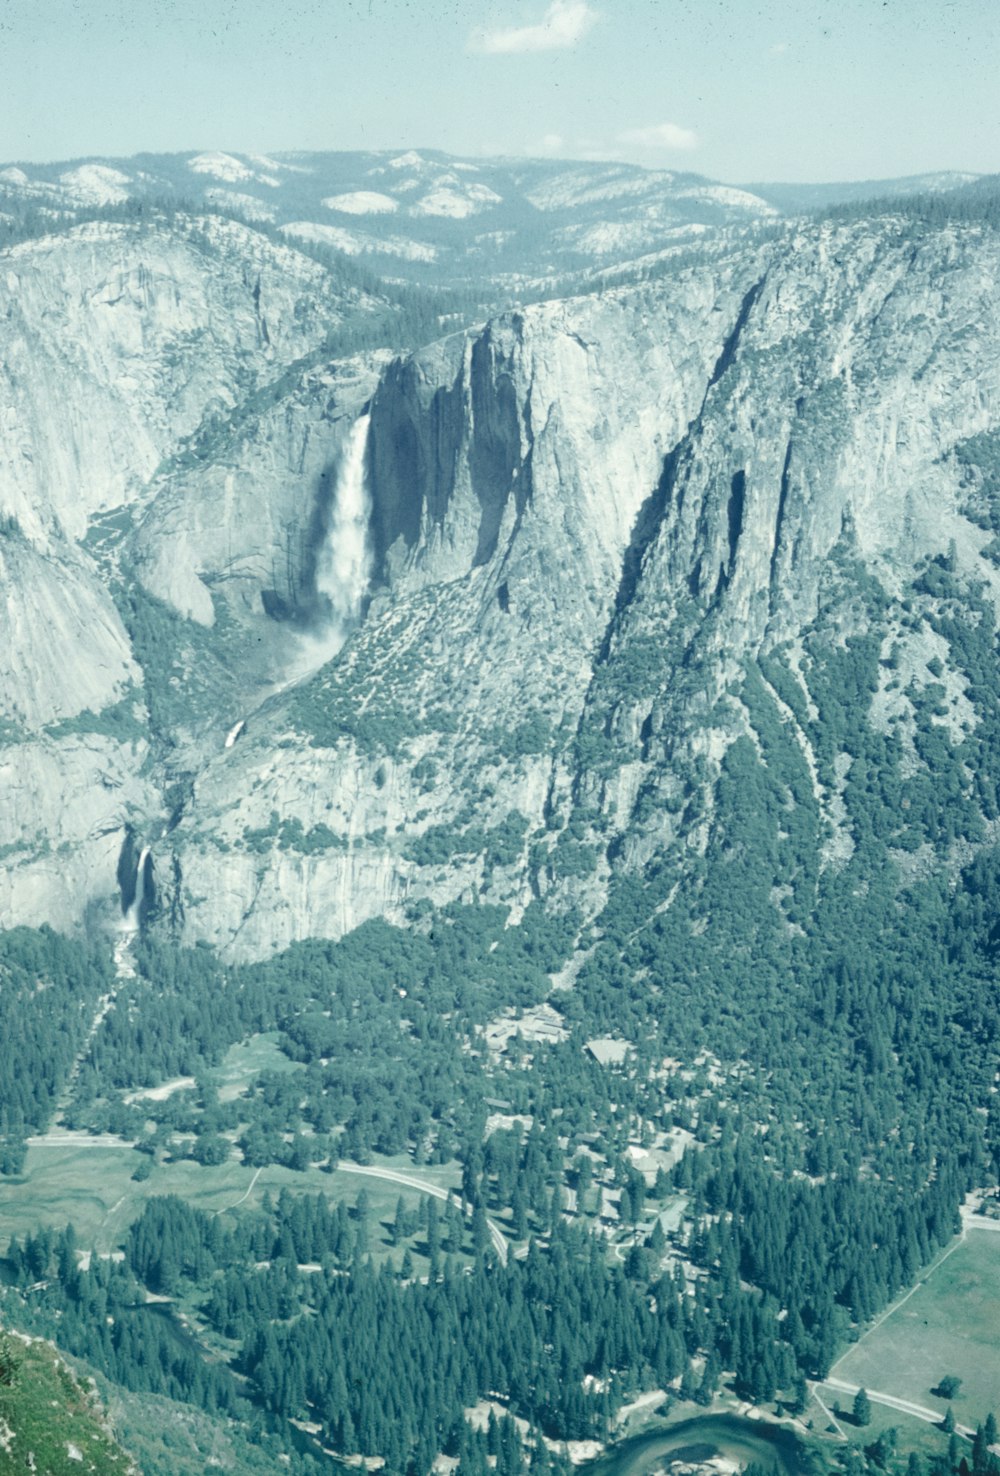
(576, 739)
(48, 1421)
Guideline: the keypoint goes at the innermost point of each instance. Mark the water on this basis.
(701, 1439)
(343, 568)
(133, 916)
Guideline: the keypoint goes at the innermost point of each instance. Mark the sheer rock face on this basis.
(120, 343)
(249, 517)
(587, 517)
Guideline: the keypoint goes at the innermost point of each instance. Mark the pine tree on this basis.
(709, 1379)
(980, 1451)
(10, 1363)
(862, 1409)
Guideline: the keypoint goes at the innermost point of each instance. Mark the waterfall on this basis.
(133, 917)
(343, 567)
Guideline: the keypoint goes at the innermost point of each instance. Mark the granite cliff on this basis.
(637, 561)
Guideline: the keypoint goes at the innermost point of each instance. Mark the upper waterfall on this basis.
(132, 919)
(343, 567)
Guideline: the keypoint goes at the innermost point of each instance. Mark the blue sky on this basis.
(781, 90)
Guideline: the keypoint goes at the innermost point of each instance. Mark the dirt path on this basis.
(244, 1196)
(901, 1301)
(829, 1413)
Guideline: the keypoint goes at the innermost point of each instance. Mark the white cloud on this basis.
(660, 136)
(564, 24)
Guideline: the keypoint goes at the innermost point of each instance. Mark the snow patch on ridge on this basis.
(353, 243)
(457, 204)
(733, 198)
(248, 205)
(361, 202)
(230, 170)
(411, 160)
(579, 187)
(93, 184)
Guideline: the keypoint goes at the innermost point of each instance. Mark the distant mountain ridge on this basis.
(793, 198)
(416, 213)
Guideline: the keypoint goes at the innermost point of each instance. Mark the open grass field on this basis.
(92, 1186)
(87, 1181)
(950, 1324)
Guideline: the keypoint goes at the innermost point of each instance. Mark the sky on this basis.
(740, 90)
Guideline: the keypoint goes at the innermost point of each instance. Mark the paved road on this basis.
(905, 1406)
(66, 1139)
(971, 1221)
(500, 1243)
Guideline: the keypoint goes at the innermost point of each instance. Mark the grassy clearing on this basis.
(49, 1422)
(948, 1325)
(243, 1064)
(64, 1184)
(93, 1188)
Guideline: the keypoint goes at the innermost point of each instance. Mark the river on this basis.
(701, 1439)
